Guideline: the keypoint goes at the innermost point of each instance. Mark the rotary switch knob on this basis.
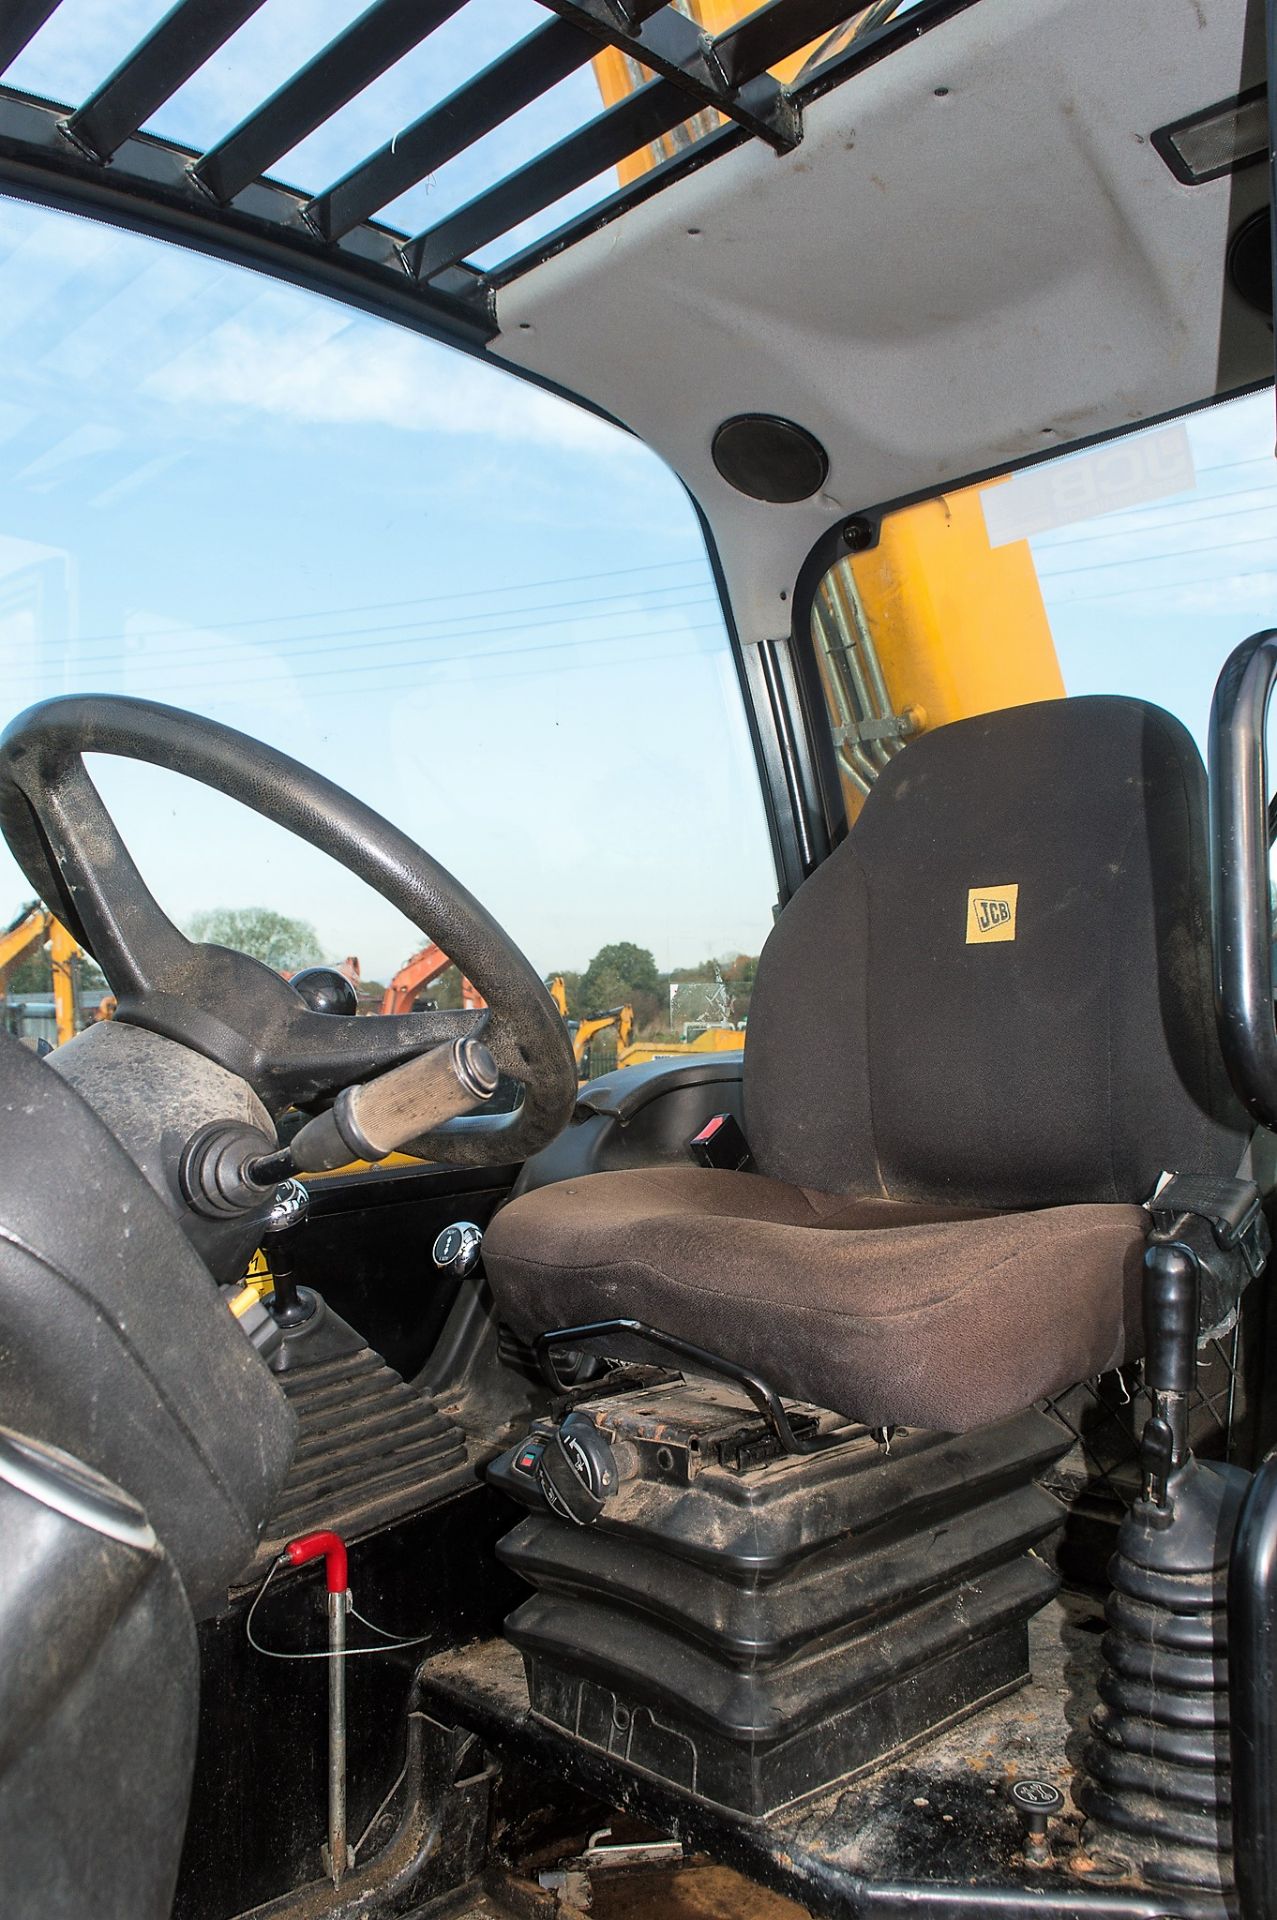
(456, 1250)
(577, 1471)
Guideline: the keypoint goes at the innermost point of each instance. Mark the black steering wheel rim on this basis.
(233, 1008)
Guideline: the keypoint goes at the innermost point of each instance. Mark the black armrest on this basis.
(624, 1093)
(639, 1117)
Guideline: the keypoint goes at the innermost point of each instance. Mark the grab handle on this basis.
(1241, 907)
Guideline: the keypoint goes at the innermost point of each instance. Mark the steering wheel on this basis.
(228, 1006)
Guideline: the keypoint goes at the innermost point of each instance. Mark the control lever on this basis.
(224, 1172)
(332, 1547)
(326, 990)
(369, 1121)
(290, 1305)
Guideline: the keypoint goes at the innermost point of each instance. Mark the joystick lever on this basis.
(224, 1171)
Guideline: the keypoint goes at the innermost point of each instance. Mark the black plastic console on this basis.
(638, 1116)
(752, 1626)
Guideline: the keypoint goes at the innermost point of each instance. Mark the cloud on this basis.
(1243, 592)
(79, 45)
(1231, 593)
(313, 368)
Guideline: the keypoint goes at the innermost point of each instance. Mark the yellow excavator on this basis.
(629, 1051)
(583, 1031)
(25, 938)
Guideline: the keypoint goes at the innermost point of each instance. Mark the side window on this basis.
(1133, 568)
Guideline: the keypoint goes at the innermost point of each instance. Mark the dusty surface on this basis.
(698, 1891)
(941, 1811)
(938, 1813)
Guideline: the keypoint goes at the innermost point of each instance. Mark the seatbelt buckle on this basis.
(1221, 1225)
(720, 1143)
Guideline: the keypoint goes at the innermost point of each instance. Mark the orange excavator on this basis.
(419, 973)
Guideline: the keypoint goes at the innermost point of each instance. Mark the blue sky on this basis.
(84, 40)
(1152, 601)
(478, 608)
(475, 606)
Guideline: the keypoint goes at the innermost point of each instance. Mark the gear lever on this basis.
(291, 1305)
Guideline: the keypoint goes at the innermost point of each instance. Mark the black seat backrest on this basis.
(997, 990)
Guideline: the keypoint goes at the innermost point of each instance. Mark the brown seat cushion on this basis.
(891, 1312)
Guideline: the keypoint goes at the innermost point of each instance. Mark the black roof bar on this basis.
(21, 21)
(644, 116)
(781, 29)
(674, 47)
(221, 203)
(358, 55)
(761, 40)
(148, 189)
(518, 77)
(772, 33)
(188, 35)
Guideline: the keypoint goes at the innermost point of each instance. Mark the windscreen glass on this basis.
(481, 610)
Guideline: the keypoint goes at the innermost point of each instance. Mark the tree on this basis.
(604, 989)
(740, 969)
(32, 975)
(444, 990)
(268, 936)
(616, 974)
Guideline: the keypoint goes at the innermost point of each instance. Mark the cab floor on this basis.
(939, 1814)
(697, 1891)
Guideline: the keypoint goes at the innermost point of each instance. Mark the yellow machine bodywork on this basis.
(959, 625)
(637, 1053)
(622, 1018)
(583, 1031)
(713, 1040)
(940, 623)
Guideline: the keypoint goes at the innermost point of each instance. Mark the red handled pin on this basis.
(332, 1548)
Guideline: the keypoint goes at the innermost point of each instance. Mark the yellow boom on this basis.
(20, 942)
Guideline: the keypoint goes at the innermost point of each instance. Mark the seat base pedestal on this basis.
(751, 1627)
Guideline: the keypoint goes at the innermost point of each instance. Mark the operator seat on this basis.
(979, 1033)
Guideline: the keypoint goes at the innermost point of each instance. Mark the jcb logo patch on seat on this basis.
(991, 914)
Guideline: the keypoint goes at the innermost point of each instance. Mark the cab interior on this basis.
(823, 1470)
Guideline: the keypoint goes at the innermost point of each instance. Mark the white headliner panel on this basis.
(933, 285)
